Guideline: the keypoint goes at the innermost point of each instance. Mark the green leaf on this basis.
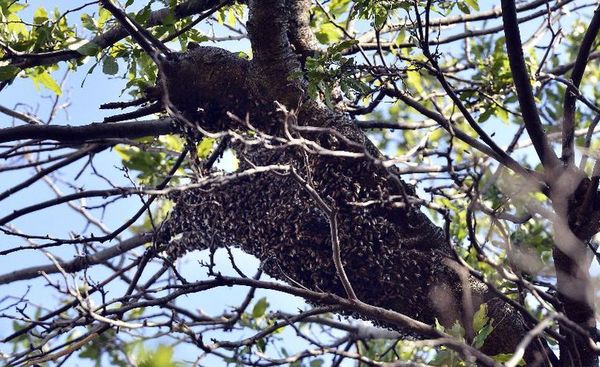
(328, 33)
(473, 4)
(220, 16)
(316, 362)
(48, 82)
(342, 46)
(110, 66)
(260, 344)
(413, 79)
(502, 114)
(149, 164)
(480, 318)
(204, 148)
(358, 85)
(103, 16)
(464, 8)
(41, 34)
(173, 142)
(338, 7)
(442, 358)
(8, 72)
(439, 326)
(504, 357)
(380, 18)
(161, 357)
(15, 25)
(143, 15)
(88, 22)
(457, 330)
(260, 307)
(231, 20)
(483, 333)
(486, 114)
(40, 16)
(15, 7)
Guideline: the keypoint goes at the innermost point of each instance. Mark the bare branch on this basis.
(521, 78)
(79, 263)
(88, 133)
(579, 66)
(32, 120)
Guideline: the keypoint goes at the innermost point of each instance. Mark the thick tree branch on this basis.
(88, 133)
(568, 138)
(394, 256)
(206, 82)
(397, 319)
(274, 62)
(531, 117)
(401, 125)
(300, 33)
(64, 199)
(402, 251)
(334, 234)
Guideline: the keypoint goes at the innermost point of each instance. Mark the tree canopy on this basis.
(297, 182)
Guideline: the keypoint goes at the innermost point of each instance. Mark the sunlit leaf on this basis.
(260, 307)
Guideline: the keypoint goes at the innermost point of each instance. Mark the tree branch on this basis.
(115, 34)
(368, 45)
(79, 263)
(504, 159)
(43, 172)
(493, 13)
(273, 60)
(531, 117)
(300, 33)
(568, 137)
(32, 120)
(90, 132)
(152, 46)
(563, 69)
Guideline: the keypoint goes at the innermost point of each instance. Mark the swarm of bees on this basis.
(392, 252)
